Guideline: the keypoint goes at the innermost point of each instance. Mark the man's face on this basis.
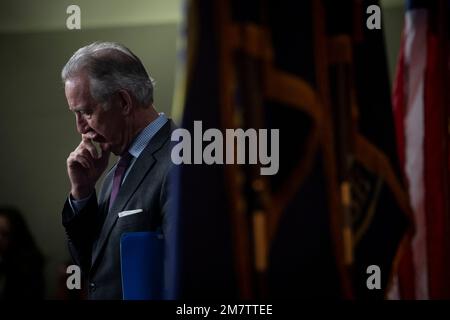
(106, 127)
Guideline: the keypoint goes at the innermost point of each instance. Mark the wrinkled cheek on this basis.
(111, 137)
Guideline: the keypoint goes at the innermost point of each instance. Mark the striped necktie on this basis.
(121, 168)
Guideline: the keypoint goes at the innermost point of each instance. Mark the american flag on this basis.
(421, 110)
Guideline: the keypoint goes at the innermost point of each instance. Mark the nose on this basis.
(82, 125)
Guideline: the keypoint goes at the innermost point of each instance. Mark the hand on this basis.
(84, 167)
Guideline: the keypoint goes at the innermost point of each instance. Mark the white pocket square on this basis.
(128, 212)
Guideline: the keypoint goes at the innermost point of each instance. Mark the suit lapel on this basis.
(143, 164)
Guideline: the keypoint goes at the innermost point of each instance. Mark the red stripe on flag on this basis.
(406, 267)
(398, 104)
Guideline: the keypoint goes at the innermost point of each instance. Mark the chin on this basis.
(116, 150)
(105, 146)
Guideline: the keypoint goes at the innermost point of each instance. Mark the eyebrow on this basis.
(79, 108)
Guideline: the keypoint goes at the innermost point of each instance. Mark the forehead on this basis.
(77, 92)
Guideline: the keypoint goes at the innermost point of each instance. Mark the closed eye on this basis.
(86, 113)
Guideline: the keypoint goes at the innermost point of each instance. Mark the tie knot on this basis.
(125, 159)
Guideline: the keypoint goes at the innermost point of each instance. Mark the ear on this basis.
(125, 101)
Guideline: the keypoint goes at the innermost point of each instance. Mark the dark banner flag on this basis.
(335, 206)
(379, 210)
(201, 257)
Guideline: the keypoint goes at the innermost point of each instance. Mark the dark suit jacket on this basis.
(94, 233)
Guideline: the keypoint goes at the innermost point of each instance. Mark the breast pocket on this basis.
(132, 220)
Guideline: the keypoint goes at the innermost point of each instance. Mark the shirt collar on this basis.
(146, 135)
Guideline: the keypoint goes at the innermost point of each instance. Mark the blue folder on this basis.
(142, 260)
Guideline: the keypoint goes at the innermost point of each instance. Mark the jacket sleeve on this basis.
(81, 230)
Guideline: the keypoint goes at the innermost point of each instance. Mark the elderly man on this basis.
(111, 95)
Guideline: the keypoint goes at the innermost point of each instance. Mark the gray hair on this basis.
(110, 67)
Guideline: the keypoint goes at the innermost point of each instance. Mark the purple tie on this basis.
(121, 168)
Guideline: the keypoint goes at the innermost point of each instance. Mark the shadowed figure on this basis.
(21, 262)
